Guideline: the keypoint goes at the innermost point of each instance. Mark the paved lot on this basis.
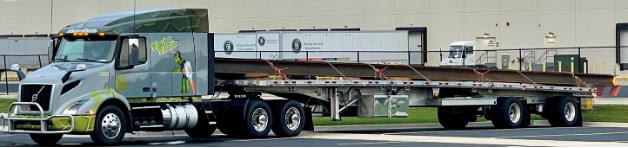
(413, 135)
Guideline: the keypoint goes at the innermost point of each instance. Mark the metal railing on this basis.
(600, 59)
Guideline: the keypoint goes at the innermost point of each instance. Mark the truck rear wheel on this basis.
(563, 112)
(46, 139)
(258, 119)
(110, 126)
(450, 119)
(509, 113)
(288, 118)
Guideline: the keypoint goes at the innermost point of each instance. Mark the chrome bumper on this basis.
(7, 124)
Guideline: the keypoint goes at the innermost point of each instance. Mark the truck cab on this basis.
(460, 55)
(120, 73)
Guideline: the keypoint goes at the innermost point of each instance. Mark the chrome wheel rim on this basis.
(570, 111)
(514, 112)
(111, 126)
(293, 118)
(260, 119)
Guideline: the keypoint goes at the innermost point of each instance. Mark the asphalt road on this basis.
(478, 135)
(12, 87)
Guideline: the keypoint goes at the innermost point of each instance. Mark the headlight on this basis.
(73, 109)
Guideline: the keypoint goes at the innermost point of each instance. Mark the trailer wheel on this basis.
(110, 126)
(448, 119)
(258, 119)
(509, 113)
(289, 118)
(46, 139)
(564, 112)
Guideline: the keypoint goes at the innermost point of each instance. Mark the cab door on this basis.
(132, 77)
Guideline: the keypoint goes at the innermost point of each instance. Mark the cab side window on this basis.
(133, 47)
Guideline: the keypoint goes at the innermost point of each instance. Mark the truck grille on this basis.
(43, 98)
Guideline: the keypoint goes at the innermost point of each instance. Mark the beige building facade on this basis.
(514, 23)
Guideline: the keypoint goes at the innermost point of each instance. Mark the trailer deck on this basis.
(232, 66)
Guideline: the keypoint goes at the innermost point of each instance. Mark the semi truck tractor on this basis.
(147, 70)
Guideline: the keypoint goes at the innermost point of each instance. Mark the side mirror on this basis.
(15, 67)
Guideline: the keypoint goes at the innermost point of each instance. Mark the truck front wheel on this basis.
(289, 118)
(110, 126)
(46, 139)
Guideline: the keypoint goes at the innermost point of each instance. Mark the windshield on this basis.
(85, 50)
(456, 52)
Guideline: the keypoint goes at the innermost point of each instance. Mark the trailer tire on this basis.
(448, 119)
(112, 116)
(296, 118)
(509, 113)
(564, 112)
(46, 139)
(258, 113)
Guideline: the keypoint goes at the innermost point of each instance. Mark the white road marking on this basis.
(463, 140)
(170, 143)
(475, 130)
(560, 135)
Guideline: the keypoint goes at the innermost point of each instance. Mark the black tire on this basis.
(557, 113)
(109, 114)
(202, 128)
(280, 125)
(502, 111)
(249, 129)
(46, 139)
(448, 119)
(229, 127)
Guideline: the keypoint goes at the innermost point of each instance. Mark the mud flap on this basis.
(526, 112)
(309, 124)
(579, 121)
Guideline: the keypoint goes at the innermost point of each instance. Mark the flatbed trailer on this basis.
(151, 77)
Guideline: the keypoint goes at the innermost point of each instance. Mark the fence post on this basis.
(520, 60)
(307, 56)
(6, 74)
(579, 63)
(39, 56)
(358, 52)
(440, 51)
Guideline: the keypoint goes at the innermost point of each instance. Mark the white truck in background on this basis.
(381, 47)
(466, 54)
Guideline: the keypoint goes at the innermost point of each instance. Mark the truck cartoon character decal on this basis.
(186, 68)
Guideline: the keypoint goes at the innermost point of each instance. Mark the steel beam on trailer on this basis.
(244, 66)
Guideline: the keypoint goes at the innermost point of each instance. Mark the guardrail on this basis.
(600, 59)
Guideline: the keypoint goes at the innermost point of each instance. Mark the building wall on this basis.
(575, 22)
